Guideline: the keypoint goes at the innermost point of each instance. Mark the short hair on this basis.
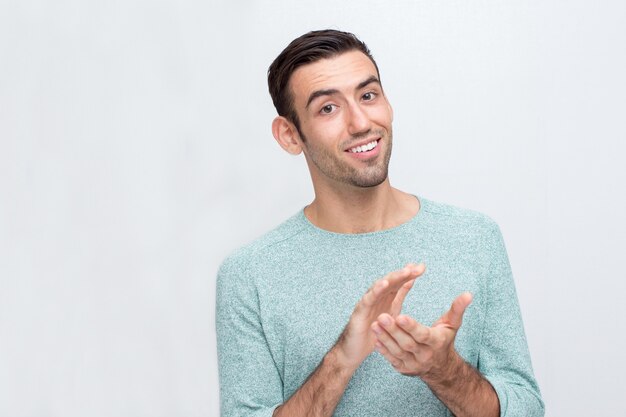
(306, 49)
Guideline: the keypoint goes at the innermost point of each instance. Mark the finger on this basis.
(372, 294)
(420, 333)
(402, 281)
(396, 306)
(418, 269)
(390, 284)
(395, 362)
(454, 317)
(399, 277)
(410, 271)
(393, 283)
(403, 339)
(389, 342)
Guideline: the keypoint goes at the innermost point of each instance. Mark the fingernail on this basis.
(385, 321)
(403, 320)
(376, 329)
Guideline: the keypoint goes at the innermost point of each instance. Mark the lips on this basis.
(364, 148)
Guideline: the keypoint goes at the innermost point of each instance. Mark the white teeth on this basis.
(364, 148)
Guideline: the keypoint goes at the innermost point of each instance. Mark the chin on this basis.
(370, 181)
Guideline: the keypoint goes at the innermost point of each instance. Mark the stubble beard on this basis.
(374, 173)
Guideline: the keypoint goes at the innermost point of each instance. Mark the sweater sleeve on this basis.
(250, 384)
(504, 358)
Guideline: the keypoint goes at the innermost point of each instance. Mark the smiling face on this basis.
(345, 120)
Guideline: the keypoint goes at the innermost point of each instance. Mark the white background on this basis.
(136, 153)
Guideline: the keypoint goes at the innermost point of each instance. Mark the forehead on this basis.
(341, 72)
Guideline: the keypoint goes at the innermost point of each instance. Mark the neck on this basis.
(349, 209)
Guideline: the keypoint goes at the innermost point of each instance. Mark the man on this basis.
(300, 312)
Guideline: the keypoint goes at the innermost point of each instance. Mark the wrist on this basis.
(447, 373)
(339, 362)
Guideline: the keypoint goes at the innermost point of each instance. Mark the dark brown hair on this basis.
(306, 49)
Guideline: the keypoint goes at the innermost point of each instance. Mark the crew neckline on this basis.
(308, 224)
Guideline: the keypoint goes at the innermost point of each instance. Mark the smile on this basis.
(364, 148)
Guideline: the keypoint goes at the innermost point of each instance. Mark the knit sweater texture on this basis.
(283, 300)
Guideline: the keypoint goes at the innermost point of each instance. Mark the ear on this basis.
(286, 135)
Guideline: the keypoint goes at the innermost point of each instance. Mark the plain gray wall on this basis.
(136, 153)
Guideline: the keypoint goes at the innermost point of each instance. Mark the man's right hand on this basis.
(321, 392)
(386, 295)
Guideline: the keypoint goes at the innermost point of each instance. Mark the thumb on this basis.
(454, 317)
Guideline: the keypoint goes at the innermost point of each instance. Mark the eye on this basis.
(369, 96)
(328, 109)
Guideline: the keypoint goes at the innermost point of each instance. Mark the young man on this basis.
(300, 312)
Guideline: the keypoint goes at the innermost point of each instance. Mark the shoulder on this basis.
(250, 256)
(447, 215)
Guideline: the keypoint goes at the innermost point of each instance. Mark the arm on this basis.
(322, 391)
(504, 358)
(504, 370)
(465, 391)
(250, 382)
(428, 352)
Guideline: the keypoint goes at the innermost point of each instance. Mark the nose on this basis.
(359, 121)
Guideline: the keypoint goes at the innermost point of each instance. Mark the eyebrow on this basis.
(372, 79)
(331, 91)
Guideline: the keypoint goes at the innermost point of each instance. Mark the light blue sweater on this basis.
(283, 300)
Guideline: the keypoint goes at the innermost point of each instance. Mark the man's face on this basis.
(345, 120)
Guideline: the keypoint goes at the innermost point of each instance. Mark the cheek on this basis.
(382, 114)
(326, 131)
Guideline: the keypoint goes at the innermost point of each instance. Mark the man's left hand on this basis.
(417, 350)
